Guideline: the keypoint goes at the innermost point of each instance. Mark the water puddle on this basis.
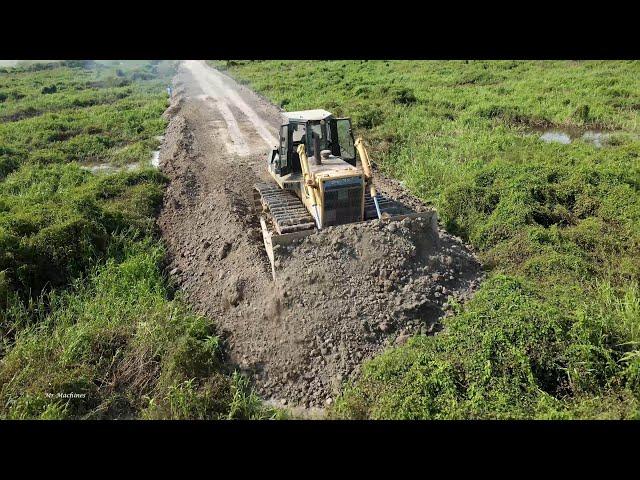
(598, 138)
(155, 156)
(555, 136)
(108, 168)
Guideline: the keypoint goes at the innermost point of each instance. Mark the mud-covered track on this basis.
(284, 209)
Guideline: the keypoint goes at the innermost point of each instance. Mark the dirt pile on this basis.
(342, 294)
(352, 290)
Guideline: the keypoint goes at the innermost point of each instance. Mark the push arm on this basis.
(309, 184)
(368, 172)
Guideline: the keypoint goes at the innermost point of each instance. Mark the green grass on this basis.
(89, 325)
(553, 333)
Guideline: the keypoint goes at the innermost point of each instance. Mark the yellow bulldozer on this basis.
(319, 182)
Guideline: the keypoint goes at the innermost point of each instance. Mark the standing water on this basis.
(555, 136)
(155, 157)
(567, 135)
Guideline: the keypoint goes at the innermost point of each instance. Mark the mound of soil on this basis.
(347, 292)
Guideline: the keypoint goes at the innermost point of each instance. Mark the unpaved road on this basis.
(344, 293)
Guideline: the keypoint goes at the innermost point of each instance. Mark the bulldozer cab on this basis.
(333, 134)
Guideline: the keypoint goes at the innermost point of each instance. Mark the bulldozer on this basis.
(318, 181)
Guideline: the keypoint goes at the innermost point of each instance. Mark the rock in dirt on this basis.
(402, 339)
(223, 251)
(233, 293)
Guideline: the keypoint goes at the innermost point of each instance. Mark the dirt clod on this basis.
(224, 250)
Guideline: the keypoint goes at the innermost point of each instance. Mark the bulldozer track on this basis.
(285, 210)
(385, 203)
(288, 214)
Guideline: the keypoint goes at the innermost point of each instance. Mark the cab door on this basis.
(346, 141)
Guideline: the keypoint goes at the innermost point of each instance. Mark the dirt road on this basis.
(345, 293)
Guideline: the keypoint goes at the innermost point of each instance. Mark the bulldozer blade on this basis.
(279, 239)
(274, 239)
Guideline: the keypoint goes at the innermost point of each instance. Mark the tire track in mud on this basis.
(343, 295)
(213, 85)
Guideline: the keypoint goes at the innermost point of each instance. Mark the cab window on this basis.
(345, 138)
(298, 132)
(319, 130)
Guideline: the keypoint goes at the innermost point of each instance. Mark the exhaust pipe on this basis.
(316, 150)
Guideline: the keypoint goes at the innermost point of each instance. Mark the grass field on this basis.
(89, 325)
(555, 330)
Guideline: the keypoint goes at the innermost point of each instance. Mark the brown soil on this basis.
(342, 295)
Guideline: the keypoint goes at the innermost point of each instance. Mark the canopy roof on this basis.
(307, 115)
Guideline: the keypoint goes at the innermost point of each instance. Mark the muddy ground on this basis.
(342, 295)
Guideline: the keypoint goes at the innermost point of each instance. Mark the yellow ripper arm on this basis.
(310, 185)
(368, 172)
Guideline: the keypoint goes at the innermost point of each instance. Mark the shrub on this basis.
(7, 165)
(403, 96)
(369, 117)
(582, 114)
(49, 89)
